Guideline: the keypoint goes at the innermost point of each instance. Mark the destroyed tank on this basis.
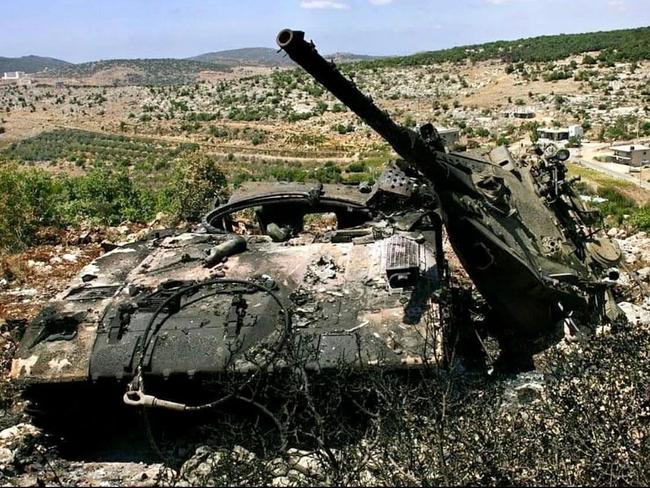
(367, 286)
(371, 290)
(537, 255)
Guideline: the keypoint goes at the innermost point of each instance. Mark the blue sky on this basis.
(84, 30)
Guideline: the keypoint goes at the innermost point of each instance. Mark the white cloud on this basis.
(380, 2)
(324, 4)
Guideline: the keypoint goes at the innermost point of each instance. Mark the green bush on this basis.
(343, 128)
(31, 198)
(196, 181)
(107, 197)
(641, 218)
(328, 174)
(357, 167)
(617, 204)
(28, 200)
(217, 131)
(258, 137)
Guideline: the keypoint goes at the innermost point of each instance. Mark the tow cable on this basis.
(135, 394)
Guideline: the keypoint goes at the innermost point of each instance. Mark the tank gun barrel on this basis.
(407, 143)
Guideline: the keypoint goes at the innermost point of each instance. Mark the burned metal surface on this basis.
(538, 257)
(197, 304)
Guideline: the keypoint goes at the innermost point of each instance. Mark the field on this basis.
(281, 125)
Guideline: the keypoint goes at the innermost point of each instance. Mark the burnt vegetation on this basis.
(588, 425)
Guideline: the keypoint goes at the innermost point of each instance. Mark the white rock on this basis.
(603, 330)
(635, 314)
(281, 481)
(631, 258)
(624, 279)
(644, 273)
(11, 439)
(529, 392)
(6, 457)
(305, 462)
(523, 389)
(71, 258)
(17, 434)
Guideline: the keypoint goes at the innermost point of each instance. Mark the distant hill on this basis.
(30, 64)
(266, 56)
(618, 45)
(138, 71)
(351, 57)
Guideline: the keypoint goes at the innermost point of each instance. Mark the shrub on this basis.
(195, 183)
(28, 200)
(502, 141)
(573, 142)
(409, 121)
(107, 197)
(617, 204)
(258, 138)
(343, 128)
(218, 131)
(357, 168)
(641, 218)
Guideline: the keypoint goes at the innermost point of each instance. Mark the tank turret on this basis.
(532, 249)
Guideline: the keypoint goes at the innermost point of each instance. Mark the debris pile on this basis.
(321, 271)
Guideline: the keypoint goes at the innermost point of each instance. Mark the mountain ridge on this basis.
(30, 63)
(622, 44)
(266, 56)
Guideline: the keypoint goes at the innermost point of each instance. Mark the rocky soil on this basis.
(30, 456)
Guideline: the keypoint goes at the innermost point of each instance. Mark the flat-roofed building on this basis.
(13, 75)
(520, 113)
(632, 154)
(561, 135)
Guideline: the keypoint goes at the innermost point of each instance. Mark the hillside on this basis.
(140, 71)
(618, 45)
(264, 56)
(30, 64)
(343, 57)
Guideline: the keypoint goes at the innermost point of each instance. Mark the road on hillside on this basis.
(635, 179)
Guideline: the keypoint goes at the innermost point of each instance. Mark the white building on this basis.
(520, 113)
(13, 75)
(559, 136)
